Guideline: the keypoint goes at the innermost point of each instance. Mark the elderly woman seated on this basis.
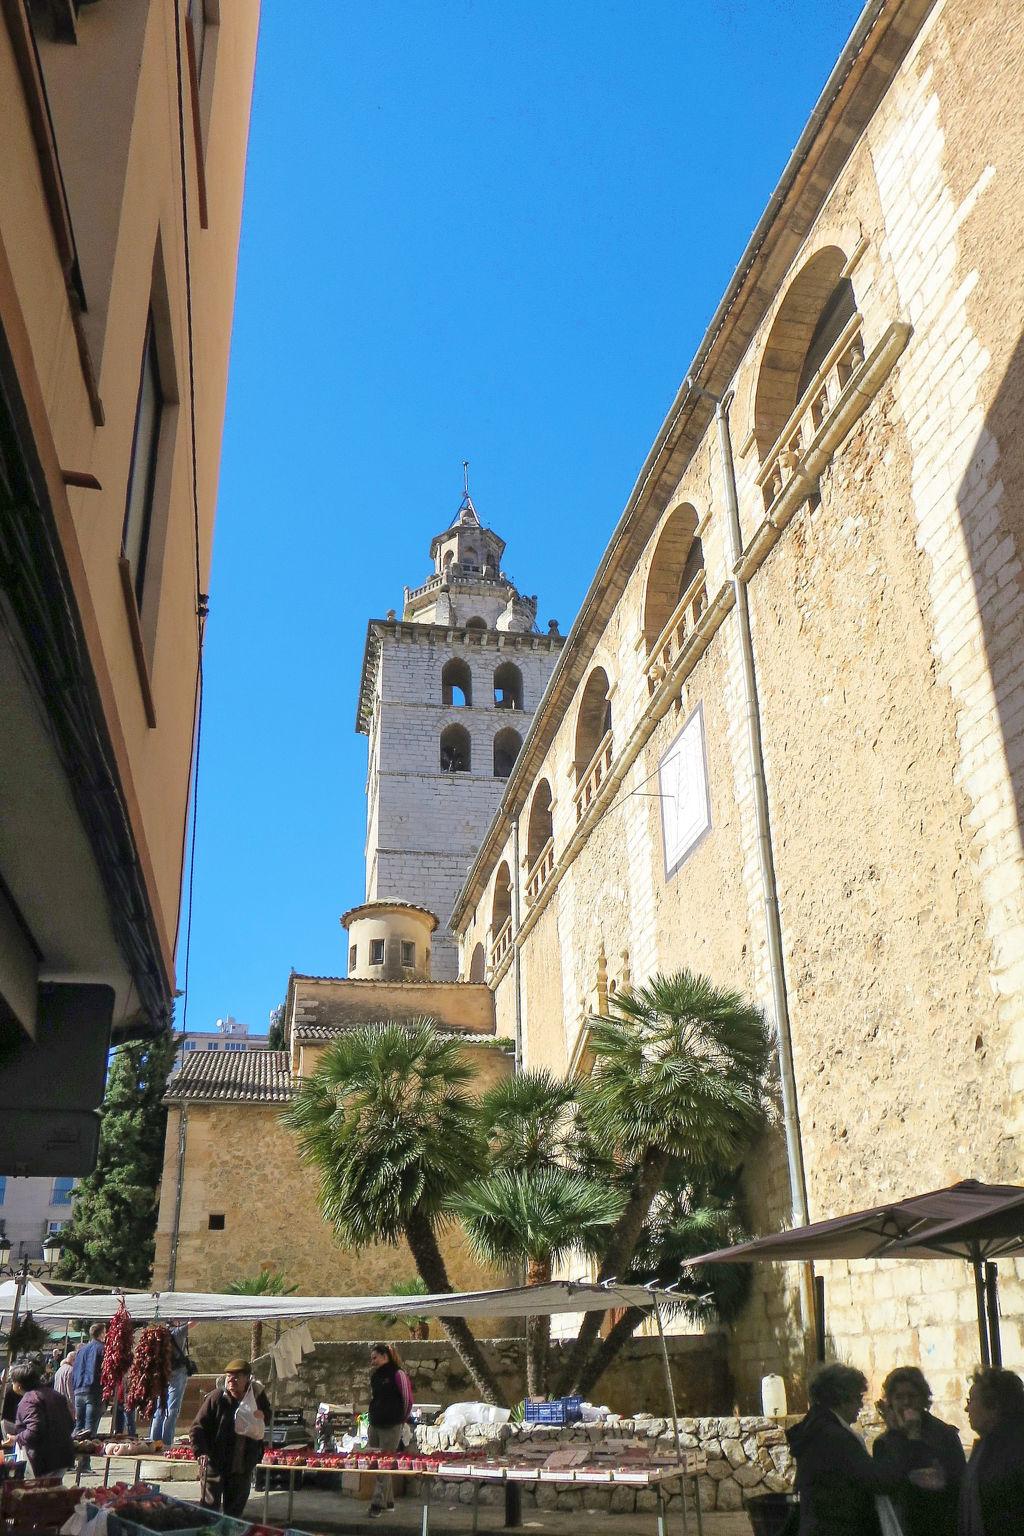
(992, 1495)
(836, 1478)
(913, 1438)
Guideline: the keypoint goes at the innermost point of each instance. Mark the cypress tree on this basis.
(109, 1239)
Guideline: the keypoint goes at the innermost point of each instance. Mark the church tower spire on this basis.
(447, 696)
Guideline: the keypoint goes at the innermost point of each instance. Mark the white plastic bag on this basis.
(249, 1421)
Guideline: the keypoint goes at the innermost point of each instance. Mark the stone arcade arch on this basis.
(678, 559)
(478, 964)
(501, 904)
(456, 750)
(594, 720)
(816, 299)
(507, 745)
(539, 829)
(456, 683)
(508, 686)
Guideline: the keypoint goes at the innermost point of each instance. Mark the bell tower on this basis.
(447, 695)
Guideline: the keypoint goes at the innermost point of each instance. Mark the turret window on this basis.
(376, 951)
(456, 756)
(352, 957)
(408, 954)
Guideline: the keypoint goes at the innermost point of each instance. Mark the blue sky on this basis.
(484, 229)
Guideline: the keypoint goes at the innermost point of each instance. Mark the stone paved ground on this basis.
(335, 1513)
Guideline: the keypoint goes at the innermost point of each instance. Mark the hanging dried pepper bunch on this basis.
(150, 1375)
(117, 1351)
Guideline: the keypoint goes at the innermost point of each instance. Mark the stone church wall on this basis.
(887, 625)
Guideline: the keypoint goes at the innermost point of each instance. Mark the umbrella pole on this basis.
(979, 1291)
(668, 1379)
(819, 1318)
(992, 1304)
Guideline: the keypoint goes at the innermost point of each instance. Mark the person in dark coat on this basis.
(915, 1438)
(836, 1478)
(992, 1493)
(227, 1458)
(389, 1408)
(42, 1424)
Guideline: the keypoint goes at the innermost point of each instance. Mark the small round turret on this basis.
(389, 941)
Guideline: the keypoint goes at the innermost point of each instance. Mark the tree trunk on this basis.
(617, 1256)
(422, 1240)
(538, 1334)
(255, 1339)
(609, 1347)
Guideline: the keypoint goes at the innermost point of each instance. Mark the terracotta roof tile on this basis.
(246, 1077)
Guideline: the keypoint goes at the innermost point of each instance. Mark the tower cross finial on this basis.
(465, 477)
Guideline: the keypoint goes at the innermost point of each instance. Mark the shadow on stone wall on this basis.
(337, 1372)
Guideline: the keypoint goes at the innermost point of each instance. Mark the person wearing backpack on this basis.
(390, 1407)
(165, 1419)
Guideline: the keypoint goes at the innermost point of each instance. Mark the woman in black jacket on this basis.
(390, 1403)
(838, 1482)
(992, 1495)
(913, 1438)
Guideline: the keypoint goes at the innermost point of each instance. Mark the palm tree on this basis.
(528, 1120)
(687, 1218)
(267, 1283)
(680, 1072)
(387, 1121)
(539, 1215)
(418, 1326)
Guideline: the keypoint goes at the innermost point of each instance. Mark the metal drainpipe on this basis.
(517, 973)
(766, 857)
(172, 1266)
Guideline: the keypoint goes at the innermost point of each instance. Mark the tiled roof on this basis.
(327, 1032)
(241, 1077)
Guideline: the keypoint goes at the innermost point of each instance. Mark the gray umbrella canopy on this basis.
(970, 1220)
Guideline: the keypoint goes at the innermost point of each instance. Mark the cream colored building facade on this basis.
(122, 159)
(234, 1196)
(784, 742)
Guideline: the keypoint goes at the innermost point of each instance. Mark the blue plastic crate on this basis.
(560, 1410)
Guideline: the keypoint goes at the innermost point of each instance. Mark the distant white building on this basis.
(31, 1210)
(230, 1035)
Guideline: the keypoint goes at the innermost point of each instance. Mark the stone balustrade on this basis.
(540, 873)
(501, 943)
(669, 645)
(594, 777)
(819, 401)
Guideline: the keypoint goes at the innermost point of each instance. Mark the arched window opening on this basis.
(456, 755)
(507, 746)
(501, 907)
(678, 559)
(478, 964)
(594, 721)
(508, 686)
(832, 322)
(456, 683)
(539, 828)
(449, 556)
(476, 622)
(802, 324)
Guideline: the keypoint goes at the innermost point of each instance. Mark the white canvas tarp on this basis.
(515, 1301)
(33, 1297)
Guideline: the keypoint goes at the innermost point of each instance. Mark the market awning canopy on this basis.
(970, 1220)
(921, 1227)
(514, 1301)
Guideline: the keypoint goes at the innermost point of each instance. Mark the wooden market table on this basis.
(81, 1457)
(690, 1467)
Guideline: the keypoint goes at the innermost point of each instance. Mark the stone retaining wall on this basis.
(338, 1371)
(746, 1457)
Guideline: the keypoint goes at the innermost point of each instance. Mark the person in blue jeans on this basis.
(165, 1419)
(85, 1382)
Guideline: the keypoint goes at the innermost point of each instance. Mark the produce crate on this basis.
(560, 1410)
(37, 1509)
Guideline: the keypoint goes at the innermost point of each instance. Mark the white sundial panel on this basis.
(683, 786)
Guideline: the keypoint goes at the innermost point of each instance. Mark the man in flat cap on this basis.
(225, 1455)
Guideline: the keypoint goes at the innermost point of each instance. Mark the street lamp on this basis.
(52, 1248)
(5, 1249)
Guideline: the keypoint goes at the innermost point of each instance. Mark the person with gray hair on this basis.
(836, 1479)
